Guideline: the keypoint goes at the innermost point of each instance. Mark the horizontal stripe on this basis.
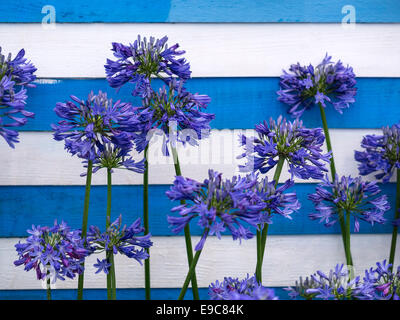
(213, 50)
(122, 294)
(238, 103)
(201, 11)
(40, 160)
(20, 207)
(300, 256)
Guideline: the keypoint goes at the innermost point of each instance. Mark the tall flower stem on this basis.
(396, 216)
(110, 254)
(263, 235)
(85, 222)
(333, 173)
(146, 221)
(188, 239)
(191, 272)
(48, 289)
(347, 243)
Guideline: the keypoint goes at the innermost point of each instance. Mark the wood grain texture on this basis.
(238, 103)
(22, 206)
(214, 50)
(40, 160)
(287, 258)
(200, 11)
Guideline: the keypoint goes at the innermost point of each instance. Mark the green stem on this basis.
(113, 278)
(191, 272)
(146, 221)
(85, 221)
(396, 216)
(188, 240)
(262, 239)
(109, 254)
(48, 289)
(347, 243)
(333, 170)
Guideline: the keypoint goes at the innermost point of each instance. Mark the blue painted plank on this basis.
(22, 206)
(122, 294)
(238, 103)
(367, 11)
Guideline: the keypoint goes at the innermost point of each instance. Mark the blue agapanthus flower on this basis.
(218, 204)
(349, 195)
(329, 82)
(118, 239)
(53, 252)
(89, 125)
(137, 63)
(384, 282)
(177, 113)
(382, 153)
(266, 200)
(15, 75)
(235, 289)
(115, 157)
(299, 146)
(338, 284)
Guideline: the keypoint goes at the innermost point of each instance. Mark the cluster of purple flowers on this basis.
(138, 62)
(235, 289)
(53, 252)
(15, 75)
(115, 239)
(265, 199)
(349, 195)
(172, 107)
(90, 125)
(337, 285)
(384, 281)
(379, 283)
(299, 146)
(382, 153)
(177, 113)
(302, 87)
(212, 199)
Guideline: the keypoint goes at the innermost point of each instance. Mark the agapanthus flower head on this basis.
(299, 146)
(235, 289)
(382, 153)
(265, 200)
(349, 195)
(177, 113)
(119, 239)
(115, 157)
(329, 82)
(143, 59)
(338, 284)
(15, 75)
(384, 281)
(217, 204)
(88, 125)
(53, 252)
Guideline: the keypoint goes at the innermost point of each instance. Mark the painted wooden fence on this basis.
(237, 50)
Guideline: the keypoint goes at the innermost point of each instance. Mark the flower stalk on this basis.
(146, 222)
(109, 253)
(191, 273)
(395, 227)
(343, 226)
(85, 222)
(188, 239)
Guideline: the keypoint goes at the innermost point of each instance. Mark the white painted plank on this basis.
(214, 50)
(287, 258)
(40, 160)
